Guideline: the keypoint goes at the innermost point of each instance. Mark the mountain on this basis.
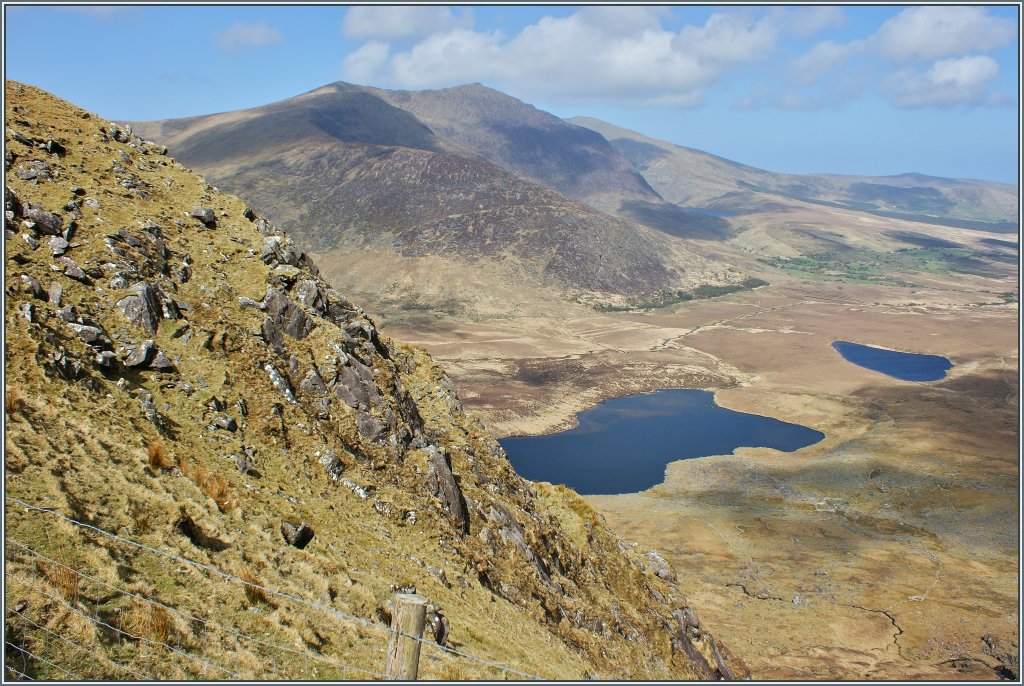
(466, 174)
(217, 467)
(692, 178)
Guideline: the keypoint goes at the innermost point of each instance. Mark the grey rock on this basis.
(279, 383)
(77, 190)
(226, 423)
(142, 308)
(288, 317)
(105, 359)
(205, 215)
(32, 287)
(313, 384)
(371, 427)
(92, 335)
(68, 313)
(72, 270)
(141, 354)
(54, 294)
(355, 488)
(161, 362)
(31, 240)
(246, 466)
(249, 302)
(309, 295)
(27, 311)
(657, 564)
(119, 282)
(298, 536)
(271, 248)
(58, 246)
(332, 465)
(47, 223)
(442, 482)
(92, 203)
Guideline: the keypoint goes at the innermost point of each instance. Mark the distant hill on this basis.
(467, 173)
(696, 179)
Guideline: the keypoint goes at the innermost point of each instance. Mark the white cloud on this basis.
(949, 82)
(807, 21)
(929, 33)
(728, 39)
(389, 23)
(241, 36)
(619, 53)
(824, 58)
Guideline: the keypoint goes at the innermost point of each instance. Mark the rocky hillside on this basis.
(693, 178)
(178, 375)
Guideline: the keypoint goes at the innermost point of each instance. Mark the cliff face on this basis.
(179, 375)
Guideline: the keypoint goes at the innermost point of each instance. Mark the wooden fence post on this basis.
(407, 620)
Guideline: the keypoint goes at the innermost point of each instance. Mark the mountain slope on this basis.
(414, 195)
(178, 374)
(533, 143)
(693, 178)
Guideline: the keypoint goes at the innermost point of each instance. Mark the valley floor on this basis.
(889, 550)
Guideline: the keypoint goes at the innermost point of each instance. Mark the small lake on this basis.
(624, 444)
(904, 366)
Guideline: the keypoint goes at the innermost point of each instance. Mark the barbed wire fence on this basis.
(78, 626)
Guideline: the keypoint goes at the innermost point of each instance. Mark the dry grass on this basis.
(61, 577)
(213, 485)
(148, 621)
(13, 402)
(157, 456)
(254, 593)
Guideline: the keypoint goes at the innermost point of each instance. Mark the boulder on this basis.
(72, 270)
(205, 215)
(226, 423)
(442, 483)
(32, 287)
(58, 246)
(370, 427)
(313, 384)
(45, 222)
(279, 382)
(141, 354)
(298, 536)
(161, 362)
(142, 308)
(54, 294)
(332, 465)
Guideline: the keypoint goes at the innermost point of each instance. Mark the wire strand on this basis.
(40, 658)
(79, 647)
(186, 616)
(301, 601)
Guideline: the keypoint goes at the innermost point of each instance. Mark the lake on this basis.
(904, 366)
(624, 444)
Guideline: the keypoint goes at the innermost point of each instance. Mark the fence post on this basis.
(407, 620)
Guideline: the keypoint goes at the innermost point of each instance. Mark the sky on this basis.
(851, 89)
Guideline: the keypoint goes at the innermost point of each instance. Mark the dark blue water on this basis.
(905, 366)
(623, 445)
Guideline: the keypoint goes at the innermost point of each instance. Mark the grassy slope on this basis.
(82, 446)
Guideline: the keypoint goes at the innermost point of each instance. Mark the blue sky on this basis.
(846, 89)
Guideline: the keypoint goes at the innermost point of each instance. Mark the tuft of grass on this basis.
(61, 577)
(254, 593)
(147, 620)
(213, 485)
(157, 456)
(13, 402)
